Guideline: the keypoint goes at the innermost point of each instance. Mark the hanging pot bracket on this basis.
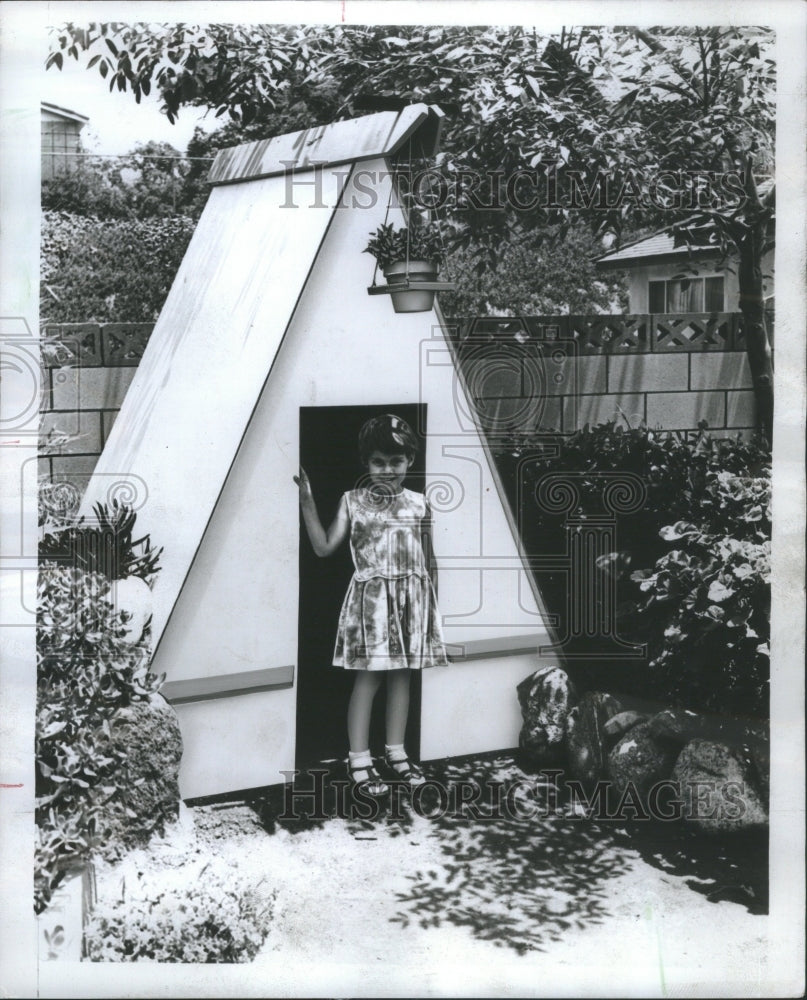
(412, 285)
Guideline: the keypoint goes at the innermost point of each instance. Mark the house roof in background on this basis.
(60, 112)
(381, 134)
(652, 247)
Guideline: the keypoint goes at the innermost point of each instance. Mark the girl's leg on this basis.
(359, 709)
(397, 712)
(397, 705)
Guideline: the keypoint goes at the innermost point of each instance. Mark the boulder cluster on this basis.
(666, 764)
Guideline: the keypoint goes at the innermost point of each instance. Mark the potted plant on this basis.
(409, 256)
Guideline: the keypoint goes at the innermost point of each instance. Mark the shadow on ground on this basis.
(516, 866)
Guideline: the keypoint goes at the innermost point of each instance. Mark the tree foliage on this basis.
(629, 127)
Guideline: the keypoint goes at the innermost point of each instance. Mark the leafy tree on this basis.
(615, 120)
(148, 181)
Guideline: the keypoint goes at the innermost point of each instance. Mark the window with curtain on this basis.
(686, 295)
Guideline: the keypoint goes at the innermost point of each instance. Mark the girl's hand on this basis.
(303, 482)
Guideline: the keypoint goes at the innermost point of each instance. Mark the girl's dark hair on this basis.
(387, 434)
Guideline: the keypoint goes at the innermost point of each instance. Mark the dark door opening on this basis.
(329, 454)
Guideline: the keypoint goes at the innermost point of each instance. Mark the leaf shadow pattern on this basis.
(518, 881)
(730, 868)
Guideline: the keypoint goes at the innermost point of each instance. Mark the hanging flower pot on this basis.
(404, 273)
(409, 258)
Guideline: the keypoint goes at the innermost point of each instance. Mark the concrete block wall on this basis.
(560, 373)
(86, 371)
(552, 373)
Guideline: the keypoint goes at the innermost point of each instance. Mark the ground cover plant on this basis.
(202, 911)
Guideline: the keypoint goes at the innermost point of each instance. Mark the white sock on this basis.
(395, 751)
(360, 758)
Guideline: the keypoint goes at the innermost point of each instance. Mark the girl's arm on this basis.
(323, 542)
(426, 532)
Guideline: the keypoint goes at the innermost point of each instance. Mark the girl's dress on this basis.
(389, 618)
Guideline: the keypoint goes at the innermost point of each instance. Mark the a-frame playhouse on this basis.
(269, 350)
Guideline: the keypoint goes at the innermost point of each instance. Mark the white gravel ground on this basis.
(424, 908)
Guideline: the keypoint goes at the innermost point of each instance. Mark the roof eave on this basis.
(386, 133)
(663, 258)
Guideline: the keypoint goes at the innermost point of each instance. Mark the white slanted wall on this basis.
(270, 313)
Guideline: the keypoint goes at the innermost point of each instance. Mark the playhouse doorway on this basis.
(329, 454)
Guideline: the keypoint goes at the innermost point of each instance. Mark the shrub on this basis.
(705, 605)
(212, 917)
(87, 671)
(112, 270)
(719, 488)
(104, 547)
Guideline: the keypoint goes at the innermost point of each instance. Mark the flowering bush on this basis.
(211, 915)
(87, 670)
(705, 605)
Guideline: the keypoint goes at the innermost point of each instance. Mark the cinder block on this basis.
(581, 410)
(124, 343)
(496, 375)
(108, 419)
(682, 410)
(741, 409)
(723, 370)
(91, 389)
(81, 431)
(563, 375)
(647, 372)
(523, 414)
(45, 392)
(43, 468)
(76, 344)
(74, 469)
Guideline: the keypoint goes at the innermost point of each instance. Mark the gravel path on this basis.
(445, 906)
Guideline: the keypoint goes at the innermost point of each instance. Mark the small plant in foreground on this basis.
(215, 916)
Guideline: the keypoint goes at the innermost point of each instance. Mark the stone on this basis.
(586, 737)
(639, 761)
(680, 726)
(545, 698)
(619, 724)
(717, 789)
(757, 749)
(149, 733)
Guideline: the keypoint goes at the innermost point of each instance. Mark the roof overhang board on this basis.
(645, 260)
(382, 134)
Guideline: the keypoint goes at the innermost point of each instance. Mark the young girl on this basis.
(389, 624)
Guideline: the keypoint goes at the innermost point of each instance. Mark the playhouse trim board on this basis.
(381, 134)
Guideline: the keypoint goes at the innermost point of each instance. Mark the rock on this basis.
(717, 789)
(545, 698)
(132, 596)
(680, 726)
(586, 738)
(639, 761)
(620, 723)
(757, 750)
(149, 733)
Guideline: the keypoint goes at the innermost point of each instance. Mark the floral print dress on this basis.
(389, 618)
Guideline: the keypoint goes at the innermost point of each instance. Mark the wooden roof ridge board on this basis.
(380, 134)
